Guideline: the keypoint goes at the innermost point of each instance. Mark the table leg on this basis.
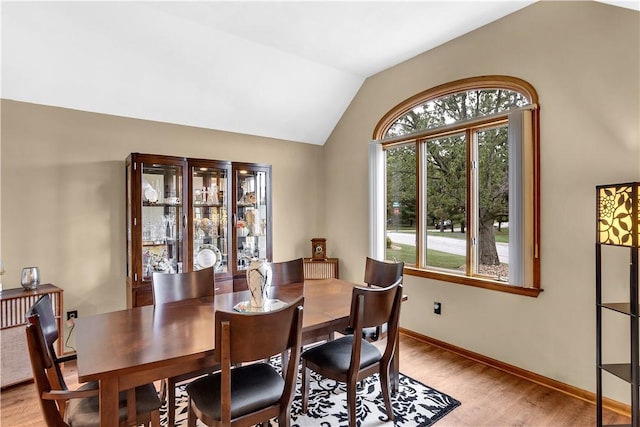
(131, 406)
(109, 401)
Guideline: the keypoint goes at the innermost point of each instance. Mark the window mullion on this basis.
(472, 202)
(421, 208)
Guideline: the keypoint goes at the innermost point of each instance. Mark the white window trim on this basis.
(377, 239)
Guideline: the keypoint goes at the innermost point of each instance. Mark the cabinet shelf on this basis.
(161, 205)
(208, 205)
(620, 307)
(620, 370)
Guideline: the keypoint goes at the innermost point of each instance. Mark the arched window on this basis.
(455, 185)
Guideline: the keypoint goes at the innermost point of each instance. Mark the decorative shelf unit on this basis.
(185, 214)
(14, 303)
(617, 218)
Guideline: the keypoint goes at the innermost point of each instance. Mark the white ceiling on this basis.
(277, 69)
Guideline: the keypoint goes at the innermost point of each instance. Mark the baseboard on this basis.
(570, 390)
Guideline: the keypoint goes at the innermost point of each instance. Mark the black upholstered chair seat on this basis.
(82, 412)
(336, 354)
(253, 387)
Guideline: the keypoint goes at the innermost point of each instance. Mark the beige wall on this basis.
(63, 183)
(583, 59)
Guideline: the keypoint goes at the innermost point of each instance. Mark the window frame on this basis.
(472, 83)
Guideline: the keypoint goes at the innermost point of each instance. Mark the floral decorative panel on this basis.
(617, 214)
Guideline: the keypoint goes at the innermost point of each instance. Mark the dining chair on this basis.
(286, 272)
(44, 309)
(252, 393)
(171, 287)
(351, 358)
(380, 274)
(81, 406)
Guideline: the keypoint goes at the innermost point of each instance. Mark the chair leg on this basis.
(171, 402)
(163, 390)
(385, 386)
(191, 416)
(351, 401)
(305, 387)
(284, 419)
(155, 418)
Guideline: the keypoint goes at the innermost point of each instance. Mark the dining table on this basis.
(127, 348)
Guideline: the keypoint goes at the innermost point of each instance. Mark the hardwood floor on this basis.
(489, 397)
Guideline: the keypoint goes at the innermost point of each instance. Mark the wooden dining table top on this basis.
(148, 343)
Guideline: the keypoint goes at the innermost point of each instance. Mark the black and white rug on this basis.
(414, 405)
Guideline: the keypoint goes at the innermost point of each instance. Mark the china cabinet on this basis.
(185, 214)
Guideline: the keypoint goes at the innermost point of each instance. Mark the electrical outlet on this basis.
(437, 307)
(73, 314)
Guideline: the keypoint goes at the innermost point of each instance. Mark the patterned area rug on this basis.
(415, 404)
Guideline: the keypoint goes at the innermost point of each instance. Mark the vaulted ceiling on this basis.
(284, 70)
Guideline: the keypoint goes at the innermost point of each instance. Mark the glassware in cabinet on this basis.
(252, 215)
(209, 227)
(162, 219)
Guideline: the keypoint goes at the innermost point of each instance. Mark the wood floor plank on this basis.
(489, 397)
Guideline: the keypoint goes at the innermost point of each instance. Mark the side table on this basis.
(14, 303)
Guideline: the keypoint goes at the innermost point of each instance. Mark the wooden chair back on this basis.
(373, 307)
(49, 329)
(256, 336)
(381, 273)
(248, 337)
(42, 364)
(169, 287)
(287, 272)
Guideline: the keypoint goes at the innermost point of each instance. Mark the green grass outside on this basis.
(407, 253)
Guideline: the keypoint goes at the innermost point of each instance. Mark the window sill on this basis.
(473, 281)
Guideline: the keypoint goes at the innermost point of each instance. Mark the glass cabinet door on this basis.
(252, 214)
(161, 218)
(210, 183)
